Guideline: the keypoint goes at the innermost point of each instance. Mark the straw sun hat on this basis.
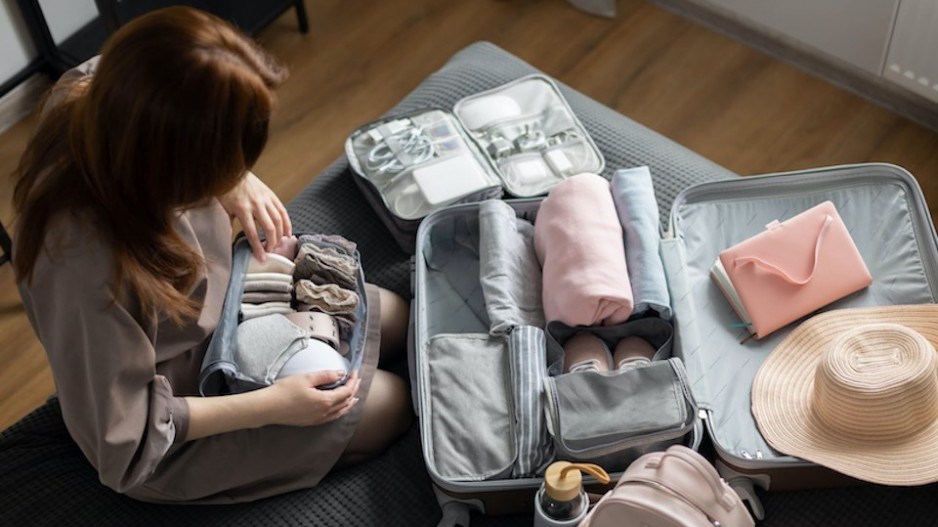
(856, 390)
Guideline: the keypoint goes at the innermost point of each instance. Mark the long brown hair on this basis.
(176, 112)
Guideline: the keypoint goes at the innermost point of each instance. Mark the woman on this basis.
(123, 252)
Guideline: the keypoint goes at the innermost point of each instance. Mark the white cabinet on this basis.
(912, 60)
(18, 50)
(856, 31)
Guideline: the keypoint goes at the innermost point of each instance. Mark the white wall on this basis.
(16, 46)
(65, 17)
(856, 31)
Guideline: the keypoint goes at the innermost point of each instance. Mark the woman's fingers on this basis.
(254, 240)
(277, 219)
(342, 410)
(287, 224)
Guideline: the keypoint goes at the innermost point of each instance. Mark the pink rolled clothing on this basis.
(579, 243)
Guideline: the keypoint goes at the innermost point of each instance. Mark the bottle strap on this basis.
(594, 470)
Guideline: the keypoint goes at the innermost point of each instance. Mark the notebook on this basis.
(790, 270)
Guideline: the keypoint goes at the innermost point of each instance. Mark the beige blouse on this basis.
(121, 377)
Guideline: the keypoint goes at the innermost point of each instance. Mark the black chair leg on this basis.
(6, 244)
(301, 16)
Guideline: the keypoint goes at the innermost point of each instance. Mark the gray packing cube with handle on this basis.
(587, 410)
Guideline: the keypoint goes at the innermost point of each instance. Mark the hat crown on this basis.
(877, 382)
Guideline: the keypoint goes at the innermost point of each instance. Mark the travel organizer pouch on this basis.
(521, 137)
(221, 372)
(791, 269)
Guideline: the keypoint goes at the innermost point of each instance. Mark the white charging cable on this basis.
(413, 142)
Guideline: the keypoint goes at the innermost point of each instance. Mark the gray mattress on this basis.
(44, 479)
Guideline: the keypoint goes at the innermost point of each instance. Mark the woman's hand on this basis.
(254, 204)
(293, 400)
(300, 403)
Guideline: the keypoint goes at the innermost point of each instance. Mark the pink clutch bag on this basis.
(791, 269)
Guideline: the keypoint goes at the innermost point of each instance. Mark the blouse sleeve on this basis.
(119, 411)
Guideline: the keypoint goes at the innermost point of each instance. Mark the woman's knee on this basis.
(395, 318)
(387, 415)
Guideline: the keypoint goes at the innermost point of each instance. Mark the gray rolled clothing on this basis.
(509, 272)
(121, 376)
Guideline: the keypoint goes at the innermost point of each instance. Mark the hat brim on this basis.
(781, 402)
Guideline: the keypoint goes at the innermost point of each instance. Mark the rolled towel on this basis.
(349, 246)
(267, 286)
(509, 272)
(269, 277)
(261, 297)
(634, 196)
(329, 298)
(326, 265)
(249, 311)
(579, 244)
(274, 263)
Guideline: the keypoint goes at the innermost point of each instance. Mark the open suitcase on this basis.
(881, 205)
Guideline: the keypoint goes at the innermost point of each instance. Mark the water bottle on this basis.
(561, 500)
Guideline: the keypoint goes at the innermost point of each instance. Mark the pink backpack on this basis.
(675, 488)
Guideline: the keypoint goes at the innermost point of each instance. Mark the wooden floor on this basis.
(742, 109)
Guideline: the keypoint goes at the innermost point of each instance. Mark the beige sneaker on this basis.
(586, 352)
(632, 352)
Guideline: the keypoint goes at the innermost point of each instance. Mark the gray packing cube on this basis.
(612, 418)
(884, 210)
(221, 372)
(521, 138)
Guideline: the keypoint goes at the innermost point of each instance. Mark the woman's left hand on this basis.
(255, 205)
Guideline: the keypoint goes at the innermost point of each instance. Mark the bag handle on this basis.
(755, 260)
(705, 469)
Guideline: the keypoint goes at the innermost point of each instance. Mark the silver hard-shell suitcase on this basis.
(881, 205)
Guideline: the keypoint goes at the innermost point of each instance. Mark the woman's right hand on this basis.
(298, 402)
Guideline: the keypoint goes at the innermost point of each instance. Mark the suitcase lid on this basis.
(885, 212)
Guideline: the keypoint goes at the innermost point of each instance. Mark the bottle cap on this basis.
(562, 481)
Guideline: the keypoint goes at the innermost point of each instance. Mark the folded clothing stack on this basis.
(298, 308)
(326, 278)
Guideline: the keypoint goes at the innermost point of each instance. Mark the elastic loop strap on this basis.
(755, 260)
